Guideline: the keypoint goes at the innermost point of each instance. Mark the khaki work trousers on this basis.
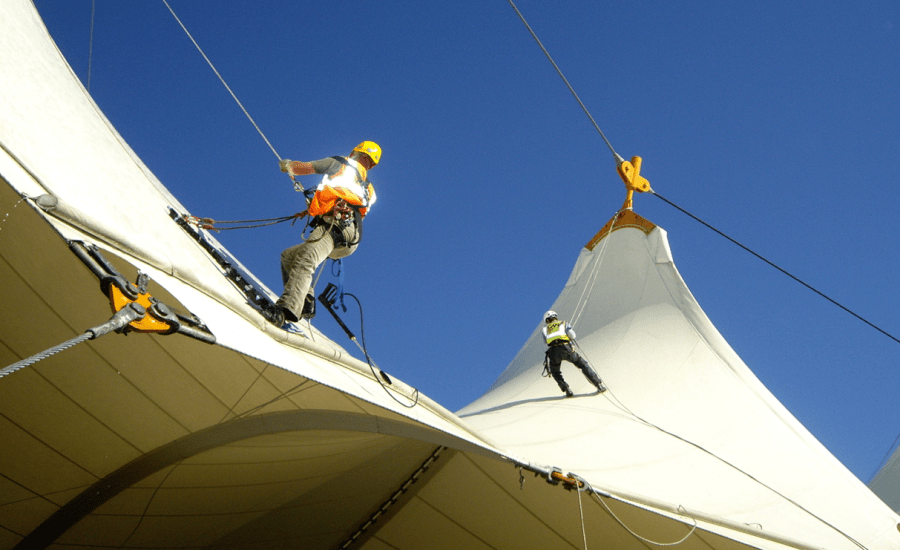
(299, 263)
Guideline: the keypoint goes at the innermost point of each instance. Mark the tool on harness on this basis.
(342, 216)
(340, 275)
(328, 297)
(122, 294)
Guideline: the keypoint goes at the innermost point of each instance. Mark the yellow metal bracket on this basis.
(152, 315)
(630, 172)
(148, 323)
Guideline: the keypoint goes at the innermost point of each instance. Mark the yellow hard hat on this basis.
(369, 148)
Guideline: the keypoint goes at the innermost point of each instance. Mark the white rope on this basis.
(595, 274)
(223, 80)
(581, 511)
(620, 522)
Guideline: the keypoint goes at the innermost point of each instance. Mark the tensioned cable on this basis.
(222, 79)
(730, 239)
(619, 159)
(778, 268)
(555, 66)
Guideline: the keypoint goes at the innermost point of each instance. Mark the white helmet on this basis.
(549, 315)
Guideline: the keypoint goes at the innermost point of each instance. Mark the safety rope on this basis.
(581, 484)
(581, 514)
(214, 225)
(610, 395)
(595, 273)
(372, 365)
(199, 49)
(297, 186)
(132, 312)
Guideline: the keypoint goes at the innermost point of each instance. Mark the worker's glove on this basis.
(285, 166)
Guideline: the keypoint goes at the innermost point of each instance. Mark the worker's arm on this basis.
(296, 167)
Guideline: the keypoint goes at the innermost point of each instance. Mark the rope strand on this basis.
(561, 75)
(222, 80)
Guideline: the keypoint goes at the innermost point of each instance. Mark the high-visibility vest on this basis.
(346, 184)
(556, 332)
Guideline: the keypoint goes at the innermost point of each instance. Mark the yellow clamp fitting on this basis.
(148, 323)
(570, 481)
(630, 172)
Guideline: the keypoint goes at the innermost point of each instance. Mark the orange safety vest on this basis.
(346, 184)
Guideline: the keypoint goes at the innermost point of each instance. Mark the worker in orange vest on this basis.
(337, 208)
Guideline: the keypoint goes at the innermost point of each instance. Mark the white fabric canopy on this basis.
(272, 438)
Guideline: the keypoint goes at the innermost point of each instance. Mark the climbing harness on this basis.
(122, 318)
(328, 298)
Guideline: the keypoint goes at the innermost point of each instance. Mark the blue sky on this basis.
(777, 122)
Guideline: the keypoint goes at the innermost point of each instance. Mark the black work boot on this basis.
(569, 393)
(276, 316)
(309, 307)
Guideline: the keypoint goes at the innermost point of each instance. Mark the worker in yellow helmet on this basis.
(559, 336)
(337, 208)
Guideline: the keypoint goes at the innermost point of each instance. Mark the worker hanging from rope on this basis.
(559, 336)
(337, 207)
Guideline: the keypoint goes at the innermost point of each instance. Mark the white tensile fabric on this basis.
(886, 483)
(684, 419)
(684, 423)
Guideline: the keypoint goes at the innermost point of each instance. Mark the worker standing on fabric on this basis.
(337, 209)
(559, 336)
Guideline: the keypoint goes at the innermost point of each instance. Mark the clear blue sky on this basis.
(775, 121)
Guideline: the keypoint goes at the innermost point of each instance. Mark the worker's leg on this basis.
(299, 263)
(554, 361)
(586, 369)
